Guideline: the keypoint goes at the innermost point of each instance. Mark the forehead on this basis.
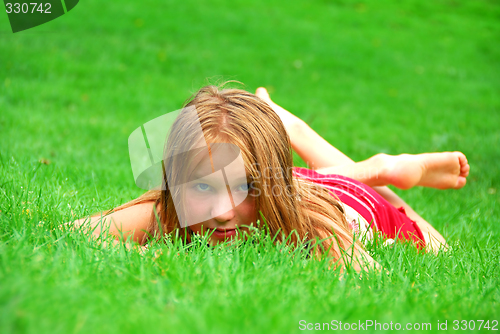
(216, 157)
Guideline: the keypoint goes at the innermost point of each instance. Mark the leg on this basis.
(430, 169)
(311, 147)
(433, 239)
(437, 170)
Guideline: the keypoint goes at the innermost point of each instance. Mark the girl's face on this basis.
(218, 198)
(223, 226)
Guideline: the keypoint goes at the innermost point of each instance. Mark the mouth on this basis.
(224, 232)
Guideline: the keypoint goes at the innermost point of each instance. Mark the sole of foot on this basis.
(444, 170)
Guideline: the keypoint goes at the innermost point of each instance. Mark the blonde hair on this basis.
(241, 118)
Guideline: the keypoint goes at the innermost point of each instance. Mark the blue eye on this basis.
(202, 187)
(243, 187)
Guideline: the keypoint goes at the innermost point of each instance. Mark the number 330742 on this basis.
(25, 8)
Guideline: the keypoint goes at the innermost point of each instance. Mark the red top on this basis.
(375, 209)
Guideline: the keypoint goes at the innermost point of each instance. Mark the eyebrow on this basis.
(240, 180)
(199, 175)
(203, 178)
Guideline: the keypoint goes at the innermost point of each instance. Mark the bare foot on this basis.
(436, 170)
(288, 119)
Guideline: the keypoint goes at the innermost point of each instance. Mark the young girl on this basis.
(326, 206)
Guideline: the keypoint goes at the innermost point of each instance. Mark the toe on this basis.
(462, 160)
(262, 93)
(465, 170)
(461, 181)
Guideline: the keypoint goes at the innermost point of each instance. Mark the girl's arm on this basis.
(130, 222)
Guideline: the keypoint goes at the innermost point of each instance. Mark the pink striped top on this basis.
(372, 207)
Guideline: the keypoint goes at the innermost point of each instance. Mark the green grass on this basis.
(371, 76)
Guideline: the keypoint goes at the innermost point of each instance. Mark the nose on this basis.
(222, 207)
(225, 217)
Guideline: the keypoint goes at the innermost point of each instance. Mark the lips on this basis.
(225, 229)
(224, 232)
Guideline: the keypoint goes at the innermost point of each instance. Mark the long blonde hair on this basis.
(241, 118)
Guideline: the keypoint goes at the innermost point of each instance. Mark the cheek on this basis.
(247, 211)
(196, 210)
(196, 228)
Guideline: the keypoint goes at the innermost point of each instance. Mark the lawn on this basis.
(370, 76)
